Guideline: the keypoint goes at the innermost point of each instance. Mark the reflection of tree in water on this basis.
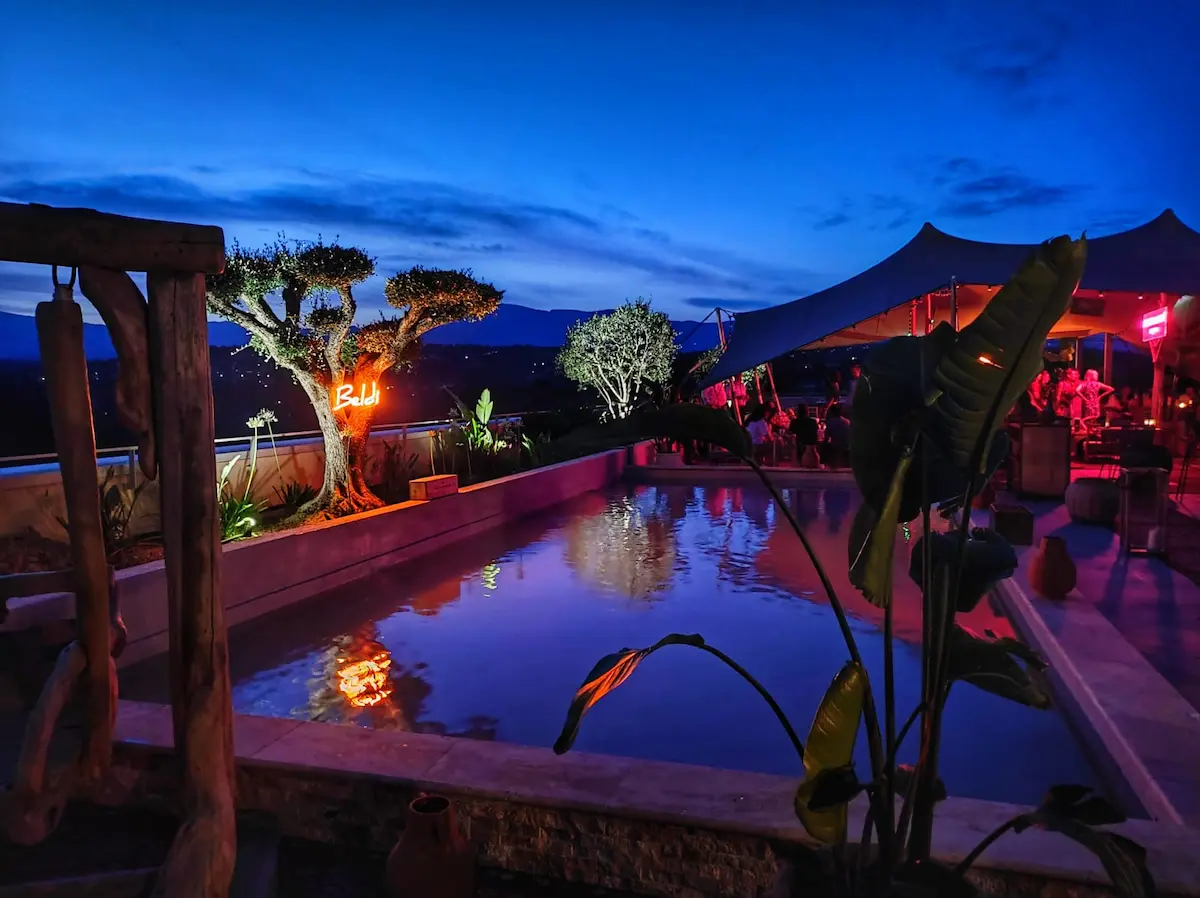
(629, 547)
(357, 680)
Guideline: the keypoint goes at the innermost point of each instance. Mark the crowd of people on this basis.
(1084, 400)
(810, 436)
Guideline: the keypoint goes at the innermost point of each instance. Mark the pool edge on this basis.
(316, 773)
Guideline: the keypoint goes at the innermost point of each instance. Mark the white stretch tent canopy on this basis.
(1125, 275)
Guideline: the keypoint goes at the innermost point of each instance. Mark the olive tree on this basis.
(332, 360)
(620, 353)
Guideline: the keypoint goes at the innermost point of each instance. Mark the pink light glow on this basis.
(1154, 325)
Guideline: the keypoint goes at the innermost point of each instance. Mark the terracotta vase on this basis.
(1051, 570)
(432, 858)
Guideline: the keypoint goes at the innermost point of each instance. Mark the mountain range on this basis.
(510, 325)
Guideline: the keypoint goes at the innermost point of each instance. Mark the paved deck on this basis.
(1129, 638)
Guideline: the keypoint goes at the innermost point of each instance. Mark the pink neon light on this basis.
(1154, 325)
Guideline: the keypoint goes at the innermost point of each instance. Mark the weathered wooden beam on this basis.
(200, 864)
(48, 235)
(64, 365)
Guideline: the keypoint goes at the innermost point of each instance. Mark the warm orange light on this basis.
(984, 360)
(1149, 422)
(346, 396)
(365, 683)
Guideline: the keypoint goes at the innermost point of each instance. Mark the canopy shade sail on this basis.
(1124, 276)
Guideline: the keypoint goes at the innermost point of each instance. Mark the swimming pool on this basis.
(489, 639)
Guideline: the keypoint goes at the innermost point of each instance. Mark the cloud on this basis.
(423, 221)
(875, 212)
(1019, 67)
(971, 190)
(709, 303)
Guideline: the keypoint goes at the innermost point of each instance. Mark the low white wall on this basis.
(31, 497)
(278, 569)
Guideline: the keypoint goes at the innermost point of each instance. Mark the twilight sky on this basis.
(577, 154)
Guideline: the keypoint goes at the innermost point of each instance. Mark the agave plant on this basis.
(924, 436)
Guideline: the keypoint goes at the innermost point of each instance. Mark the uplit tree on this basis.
(336, 364)
(620, 354)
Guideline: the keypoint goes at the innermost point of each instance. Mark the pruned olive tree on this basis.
(334, 362)
(620, 354)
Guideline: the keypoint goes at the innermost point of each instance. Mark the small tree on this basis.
(323, 350)
(620, 353)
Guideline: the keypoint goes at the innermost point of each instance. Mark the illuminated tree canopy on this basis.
(620, 354)
(322, 348)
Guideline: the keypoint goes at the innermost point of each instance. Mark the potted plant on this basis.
(925, 436)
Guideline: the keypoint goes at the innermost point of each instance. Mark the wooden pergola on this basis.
(164, 396)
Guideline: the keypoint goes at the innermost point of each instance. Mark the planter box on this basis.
(1014, 523)
(425, 488)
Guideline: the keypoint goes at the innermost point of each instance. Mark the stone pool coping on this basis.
(736, 475)
(1116, 695)
(721, 803)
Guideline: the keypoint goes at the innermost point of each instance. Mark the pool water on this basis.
(489, 639)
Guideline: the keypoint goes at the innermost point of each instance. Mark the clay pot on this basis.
(432, 859)
(1051, 570)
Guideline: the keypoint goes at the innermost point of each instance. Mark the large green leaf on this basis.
(889, 406)
(682, 421)
(1073, 811)
(609, 673)
(483, 408)
(997, 356)
(1001, 666)
(873, 553)
(990, 558)
(830, 746)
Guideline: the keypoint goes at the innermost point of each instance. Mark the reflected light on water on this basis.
(365, 683)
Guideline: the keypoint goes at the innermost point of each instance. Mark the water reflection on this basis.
(490, 637)
(628, 547)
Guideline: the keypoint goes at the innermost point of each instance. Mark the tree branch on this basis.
(338, 333)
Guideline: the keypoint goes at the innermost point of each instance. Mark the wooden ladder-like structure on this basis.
(164, 395)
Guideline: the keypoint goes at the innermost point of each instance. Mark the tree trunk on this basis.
(344, 490)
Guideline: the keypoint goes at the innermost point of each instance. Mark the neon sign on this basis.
(345, 396)
(1154, 325)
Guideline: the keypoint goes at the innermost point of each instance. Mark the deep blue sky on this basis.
(580, 153)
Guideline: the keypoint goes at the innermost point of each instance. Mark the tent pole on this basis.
(954, 303)
(758, 386)
(1158, 390)
(737, 412)
(1108, 359)
(771, 381)
(912, 318)
(928, 312)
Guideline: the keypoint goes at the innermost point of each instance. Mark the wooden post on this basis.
(201, 860)
(64, 365)
(1107, 375)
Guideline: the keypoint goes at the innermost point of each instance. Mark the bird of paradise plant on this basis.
(925, 437)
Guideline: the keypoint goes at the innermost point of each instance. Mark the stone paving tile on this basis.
(1154, 607)
(1120, 630)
